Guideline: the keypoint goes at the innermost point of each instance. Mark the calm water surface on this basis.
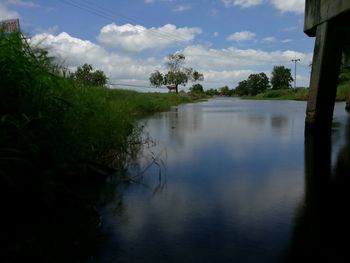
(224, 181)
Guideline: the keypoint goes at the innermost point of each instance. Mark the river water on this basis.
(229, 180)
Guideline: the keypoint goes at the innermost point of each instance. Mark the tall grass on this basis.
(58, 138)
(297, 94)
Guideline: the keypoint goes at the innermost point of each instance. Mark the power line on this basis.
(132, 85)
(111, 16)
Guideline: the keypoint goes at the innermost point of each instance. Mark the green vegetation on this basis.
(255, 84)
(59, 140)
(282, 94)
(87, 76)
(177, 74)
(281, 78)
(281, 86)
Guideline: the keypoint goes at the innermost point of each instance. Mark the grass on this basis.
(296, 94)
(342, 91)
(58, 138)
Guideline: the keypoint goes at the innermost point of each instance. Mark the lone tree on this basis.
(281, 78)
(177, 74)
(87, 76)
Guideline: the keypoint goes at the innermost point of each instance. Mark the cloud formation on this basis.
(135, 38)
(242, 3)
(182, 8)
(241, 36)
(220, 67)
(75, 52)
(294, 6)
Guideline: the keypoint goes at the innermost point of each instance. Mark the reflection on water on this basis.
(227, 181)
(322, 221)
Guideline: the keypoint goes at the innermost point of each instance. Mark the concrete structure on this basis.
(329, 22)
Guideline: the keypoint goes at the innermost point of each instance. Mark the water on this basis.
(228, 180)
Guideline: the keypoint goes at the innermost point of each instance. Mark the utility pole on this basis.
(295, 71)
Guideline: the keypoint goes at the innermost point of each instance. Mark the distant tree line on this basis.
(281, 78)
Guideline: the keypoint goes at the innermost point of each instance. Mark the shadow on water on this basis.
(322, 223)
(63, 226)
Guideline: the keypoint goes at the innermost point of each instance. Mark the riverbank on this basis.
(296, 94)
(60, 140)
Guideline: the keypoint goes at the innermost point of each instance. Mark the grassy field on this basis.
(58, 139)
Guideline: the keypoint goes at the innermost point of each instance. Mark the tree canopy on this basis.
(177, 74)
(197, 88)
(281, 78)
(87, 76)
(255, 84)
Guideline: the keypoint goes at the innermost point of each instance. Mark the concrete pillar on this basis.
(324, 74)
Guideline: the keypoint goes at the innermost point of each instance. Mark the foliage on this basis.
(156, 79)
(281, 78)
(196, 76)
(212, 92)
(57, 137)
(177, 74)
(197, 88)
(225, 91)
(255, 84)
(342, 91)
(242, 88)
(87, 76)
(283, 94)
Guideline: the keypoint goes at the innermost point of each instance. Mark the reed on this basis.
(59, 139)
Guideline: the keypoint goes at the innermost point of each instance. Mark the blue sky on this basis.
(226, 40)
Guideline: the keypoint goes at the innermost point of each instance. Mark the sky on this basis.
(226, 40)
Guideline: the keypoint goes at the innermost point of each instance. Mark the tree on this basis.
(281, 78)
(212, 92)
(87, 76)
(197, 76)
(156, 79)
(255, 84)
(242, 88)
(225, 91)
(197, 88)
(177, 74)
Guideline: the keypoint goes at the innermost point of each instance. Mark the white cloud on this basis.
(238, 59)
(268, 40)
(182, 8)
(295, 6)
(287, 40)
(242, 3)
(75, 52)
(21, 3)
(6, 13)
(241, 36)
(219, 66)
(135, 38)
(232, 65)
